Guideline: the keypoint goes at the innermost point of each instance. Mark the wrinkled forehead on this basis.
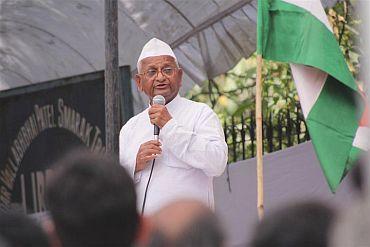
(158, 62)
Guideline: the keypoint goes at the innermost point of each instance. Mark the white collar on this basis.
(172, 105)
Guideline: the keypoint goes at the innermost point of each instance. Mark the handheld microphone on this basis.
(158, 100)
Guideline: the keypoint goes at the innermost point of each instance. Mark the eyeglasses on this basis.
(166, 71)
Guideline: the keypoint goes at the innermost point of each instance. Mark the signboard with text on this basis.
(38, 124)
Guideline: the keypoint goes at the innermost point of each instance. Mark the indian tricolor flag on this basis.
(298, 32)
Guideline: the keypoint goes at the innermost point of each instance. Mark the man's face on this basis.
(159, 75)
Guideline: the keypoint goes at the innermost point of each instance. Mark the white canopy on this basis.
(41, 40)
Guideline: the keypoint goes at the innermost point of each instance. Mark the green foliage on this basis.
(345, 23)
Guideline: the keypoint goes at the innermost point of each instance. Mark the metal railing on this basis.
(281, 130)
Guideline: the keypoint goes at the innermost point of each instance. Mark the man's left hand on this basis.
(159, 115)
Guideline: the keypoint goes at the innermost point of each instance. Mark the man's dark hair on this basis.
(18, 230)
(205, 231)
(186, 223)
(358, 180)
(92, 201)
(303, 224)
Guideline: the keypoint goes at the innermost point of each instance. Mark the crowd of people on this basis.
(91, 201)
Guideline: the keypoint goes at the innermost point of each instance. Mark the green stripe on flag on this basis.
(262, 24)
(353, 156)
(296, 36)
(332, 123)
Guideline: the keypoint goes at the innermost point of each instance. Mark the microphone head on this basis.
(159, 100)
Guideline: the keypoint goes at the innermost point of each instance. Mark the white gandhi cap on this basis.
(155, 47)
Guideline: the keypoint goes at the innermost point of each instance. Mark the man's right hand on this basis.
(147, 152)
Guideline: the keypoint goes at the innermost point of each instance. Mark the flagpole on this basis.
(260, 207)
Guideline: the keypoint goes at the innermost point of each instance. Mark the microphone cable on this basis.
(157, 100)
(147, 186)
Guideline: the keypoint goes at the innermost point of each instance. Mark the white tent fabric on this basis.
(42, 40)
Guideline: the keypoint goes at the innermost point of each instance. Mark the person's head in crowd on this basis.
(92, 201)
(304, 224)
(351, 228)
(158, 71)
(358, 179)
(186, 223)
(19, 230)
(3, 243)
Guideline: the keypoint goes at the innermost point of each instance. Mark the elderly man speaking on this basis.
(191, 149)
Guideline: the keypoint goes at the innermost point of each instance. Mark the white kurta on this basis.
(193, 152)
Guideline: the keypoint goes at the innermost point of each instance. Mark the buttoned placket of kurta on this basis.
(171, 107)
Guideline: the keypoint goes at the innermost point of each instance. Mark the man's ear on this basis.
(138, 82)
(179, 74)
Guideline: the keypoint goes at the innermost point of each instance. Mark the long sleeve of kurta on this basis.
(203, 147)
(126, 158)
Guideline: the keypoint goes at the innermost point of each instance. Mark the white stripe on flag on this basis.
(314, 7)
(309, 82)
(362, 138)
